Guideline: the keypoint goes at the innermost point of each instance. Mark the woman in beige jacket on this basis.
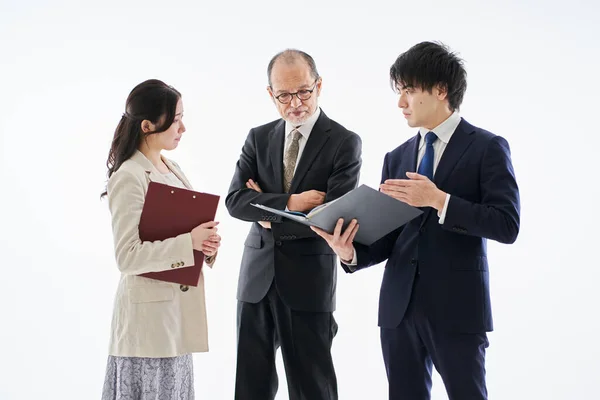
(156, 325)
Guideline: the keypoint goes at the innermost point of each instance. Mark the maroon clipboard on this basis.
(170, 211)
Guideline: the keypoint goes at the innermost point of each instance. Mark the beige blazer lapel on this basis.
(178, 173)
(154, 175)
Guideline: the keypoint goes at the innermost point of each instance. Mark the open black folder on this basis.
(377, 214)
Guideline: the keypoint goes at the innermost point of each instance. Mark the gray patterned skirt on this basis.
(133, 378)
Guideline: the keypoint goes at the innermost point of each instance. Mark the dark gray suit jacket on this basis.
(302, 264)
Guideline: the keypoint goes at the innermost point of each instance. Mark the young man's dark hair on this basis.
(430, 64)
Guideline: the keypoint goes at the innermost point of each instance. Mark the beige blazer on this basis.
(151, 318)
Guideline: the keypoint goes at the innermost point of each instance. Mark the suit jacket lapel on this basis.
(151, 172)
(178, 173)
(459, 142)
(409, 163)
(154, 175)
(276, 140)
(317, 139)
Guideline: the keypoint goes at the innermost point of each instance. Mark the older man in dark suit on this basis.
(287, 282)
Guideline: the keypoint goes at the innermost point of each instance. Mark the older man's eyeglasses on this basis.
(304, 94)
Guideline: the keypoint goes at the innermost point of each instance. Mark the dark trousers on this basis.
(305, 339)
(410, 350)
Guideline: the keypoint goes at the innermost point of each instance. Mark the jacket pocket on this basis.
(254, 241)
(150, 293)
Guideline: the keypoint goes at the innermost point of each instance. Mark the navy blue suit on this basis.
(434, 304)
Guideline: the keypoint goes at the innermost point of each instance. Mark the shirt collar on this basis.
(444, 130)
(306, 127)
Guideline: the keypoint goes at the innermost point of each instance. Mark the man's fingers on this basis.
(250, 184)
(337, 231)
(322, 233)
(265, 224)
(393, 193)
(398, 182)
(397, 188)
(391, 188)
(348, 230)
(415, 176)
(353, 234)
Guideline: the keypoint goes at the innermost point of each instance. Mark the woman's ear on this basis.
(147, 126)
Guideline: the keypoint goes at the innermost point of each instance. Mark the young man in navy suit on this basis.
(434, 306)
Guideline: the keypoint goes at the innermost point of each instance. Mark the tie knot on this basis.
(297, 135)
(430, 137)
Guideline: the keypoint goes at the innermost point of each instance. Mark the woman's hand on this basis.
(211, 246)
(206, 232)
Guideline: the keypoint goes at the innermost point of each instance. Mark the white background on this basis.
(66, 69)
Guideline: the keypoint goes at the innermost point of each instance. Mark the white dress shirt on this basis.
(304, 129)
(444, 132)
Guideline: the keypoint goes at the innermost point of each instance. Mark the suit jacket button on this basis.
(173, 265)
(278, 243)
(413, 261)
(184, 288)
(422, 230)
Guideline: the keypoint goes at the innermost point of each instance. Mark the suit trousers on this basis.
(410, 349)
(305, 339)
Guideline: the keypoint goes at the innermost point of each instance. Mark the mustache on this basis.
(299, 109)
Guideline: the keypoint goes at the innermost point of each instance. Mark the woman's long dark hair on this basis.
(152, 100)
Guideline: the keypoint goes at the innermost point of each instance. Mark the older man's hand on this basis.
(340, 242)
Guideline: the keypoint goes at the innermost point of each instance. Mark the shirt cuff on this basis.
(442, 215)
(354, 261)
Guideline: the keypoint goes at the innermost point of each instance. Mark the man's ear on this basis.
(271, 95)
(441, 92)
(319, 83)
